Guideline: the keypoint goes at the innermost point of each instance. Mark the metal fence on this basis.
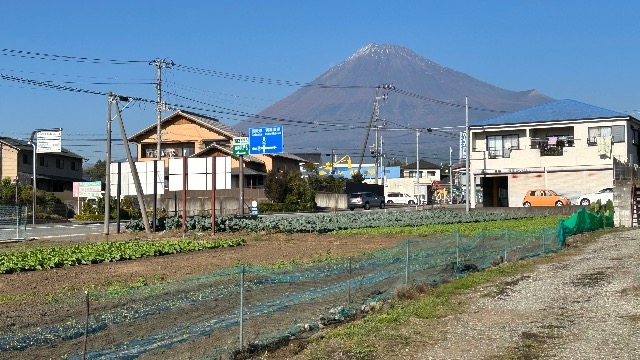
(216, 315)
(13, 220)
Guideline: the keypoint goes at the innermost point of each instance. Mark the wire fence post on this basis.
(506, 243)
(457, 252)
(349, 283)
(241, 307)
(406, 264)
(86, 324)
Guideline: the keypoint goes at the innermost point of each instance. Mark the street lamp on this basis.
(17, 181)
(33, 144)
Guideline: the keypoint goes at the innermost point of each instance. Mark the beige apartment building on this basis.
(564, 145)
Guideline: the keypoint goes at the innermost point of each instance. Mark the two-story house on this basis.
(55, 172)
(187, 134)
(564, 145)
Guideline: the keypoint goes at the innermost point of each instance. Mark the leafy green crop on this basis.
(54, 257)
(324, 223)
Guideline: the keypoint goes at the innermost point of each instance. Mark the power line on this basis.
(65, 58)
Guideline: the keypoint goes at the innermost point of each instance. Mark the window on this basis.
(73, 166)
(44, 161)
(431, 173)
(26, 159)
(188, 151)
(501, 145)
(168, 150)
(59, 164)
(596, 132)
(57, 187)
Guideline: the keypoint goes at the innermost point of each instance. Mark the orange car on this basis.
(544, 197)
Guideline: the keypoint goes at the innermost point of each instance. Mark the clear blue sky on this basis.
(581, 50)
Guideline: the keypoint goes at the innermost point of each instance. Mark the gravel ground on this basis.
(584, 306)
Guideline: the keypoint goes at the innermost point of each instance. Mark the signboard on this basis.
(199, 173)
(266, 140)
(241, 146)
(463, 145)
(48, 141)
(145, 174)
(87, 189)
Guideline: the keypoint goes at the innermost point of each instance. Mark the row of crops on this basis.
(324, 223)
(55, 257)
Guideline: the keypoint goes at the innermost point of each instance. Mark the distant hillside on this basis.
(340, 103)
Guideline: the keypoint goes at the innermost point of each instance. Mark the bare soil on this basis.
(28, 296)
(260, 250)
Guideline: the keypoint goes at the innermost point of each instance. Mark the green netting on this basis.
(204, 317)
(582, 221)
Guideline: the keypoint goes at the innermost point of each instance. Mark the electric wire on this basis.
(65, 58)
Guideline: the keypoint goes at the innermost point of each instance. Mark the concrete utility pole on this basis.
(160, 64)
(160, 106)
(374, 112)
(134, 172)
(467, 152)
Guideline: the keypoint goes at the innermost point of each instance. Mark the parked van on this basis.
(400, 198)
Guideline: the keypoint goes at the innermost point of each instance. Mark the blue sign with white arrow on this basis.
(266, 140)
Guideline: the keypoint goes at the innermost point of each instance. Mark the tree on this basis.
(97, 170)
(310, 167)
(357, 177)
(288, 187)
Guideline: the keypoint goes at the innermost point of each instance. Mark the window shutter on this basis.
(617, 133)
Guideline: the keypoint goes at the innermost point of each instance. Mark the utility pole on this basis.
(450, 176)
(467, 152)
(107, 180)
(160, 64)
(374, 112)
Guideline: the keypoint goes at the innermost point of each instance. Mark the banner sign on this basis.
(48, 141)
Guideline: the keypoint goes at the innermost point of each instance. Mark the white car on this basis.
(400, 198)
(603, 195)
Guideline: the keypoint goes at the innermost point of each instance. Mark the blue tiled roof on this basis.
(558, 110)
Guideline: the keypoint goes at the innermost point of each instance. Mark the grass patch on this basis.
(374, 334)
(381, 332)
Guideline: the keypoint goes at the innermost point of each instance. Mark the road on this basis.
(79, 231)
(61, 231)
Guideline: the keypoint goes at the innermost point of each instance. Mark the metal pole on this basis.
(406, 264)
(33, 195)
(349, 281)
(450, 176)
(467, 196)
(155, 193)
(457, 252)
(241, 307)
(241, 184)
(118, 193)
(86, 324)
(17, 211)
(213, 194)
(418, 164)
(107, 189)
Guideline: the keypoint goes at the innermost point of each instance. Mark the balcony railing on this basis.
(552, 145)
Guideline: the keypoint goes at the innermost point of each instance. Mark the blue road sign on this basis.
(266, 140)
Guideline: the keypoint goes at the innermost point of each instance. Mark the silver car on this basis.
(365, 200)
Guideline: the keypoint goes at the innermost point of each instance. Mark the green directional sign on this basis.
(241, 146)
